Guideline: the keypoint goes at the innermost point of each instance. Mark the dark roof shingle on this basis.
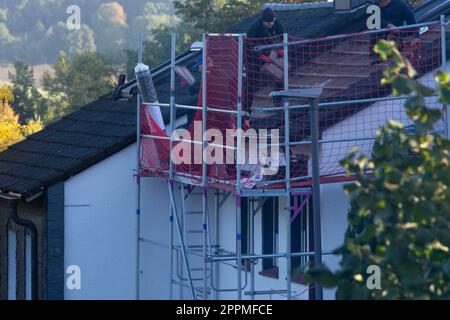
(68, 146)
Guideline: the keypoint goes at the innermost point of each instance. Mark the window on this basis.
(270, 236)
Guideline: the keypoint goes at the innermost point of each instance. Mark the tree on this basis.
(57, 83)
(153, 17)
(110, 26)
(28, 101)
(59, 38)
(399, 219)
(11, 131)
(82, 40)
(80, 81)
(215, 15)
(55, 88)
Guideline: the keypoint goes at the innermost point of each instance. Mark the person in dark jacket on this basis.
(395, 13)
(266, 27)
(265, 31)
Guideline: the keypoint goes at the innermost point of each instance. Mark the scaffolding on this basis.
(310, 82)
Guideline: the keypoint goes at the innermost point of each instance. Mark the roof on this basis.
(312, 22)
(106, 126)
(68, 146)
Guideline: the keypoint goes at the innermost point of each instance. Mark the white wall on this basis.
(100, 234)
(155, 231)
(100, 231)
(100, 228)
(334, 207)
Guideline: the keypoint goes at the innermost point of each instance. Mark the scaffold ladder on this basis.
(191, 269)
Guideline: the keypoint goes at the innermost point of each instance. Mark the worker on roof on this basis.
(265, 31)
(395, 13)
(265, 27)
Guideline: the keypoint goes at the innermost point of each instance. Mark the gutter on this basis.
(13, 202)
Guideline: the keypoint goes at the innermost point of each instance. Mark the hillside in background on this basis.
(35, 30)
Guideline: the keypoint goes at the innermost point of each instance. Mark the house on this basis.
(73, 186)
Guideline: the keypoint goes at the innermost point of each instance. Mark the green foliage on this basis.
(28, 100)
(153, 17)
(74, 83)
(80, 81)
(61, 39)
(110, 23)
(35, 31)
(400, 203)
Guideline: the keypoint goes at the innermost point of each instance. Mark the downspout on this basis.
(34, 245)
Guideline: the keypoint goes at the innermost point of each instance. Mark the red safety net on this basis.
(221, 95)
(354, 104)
